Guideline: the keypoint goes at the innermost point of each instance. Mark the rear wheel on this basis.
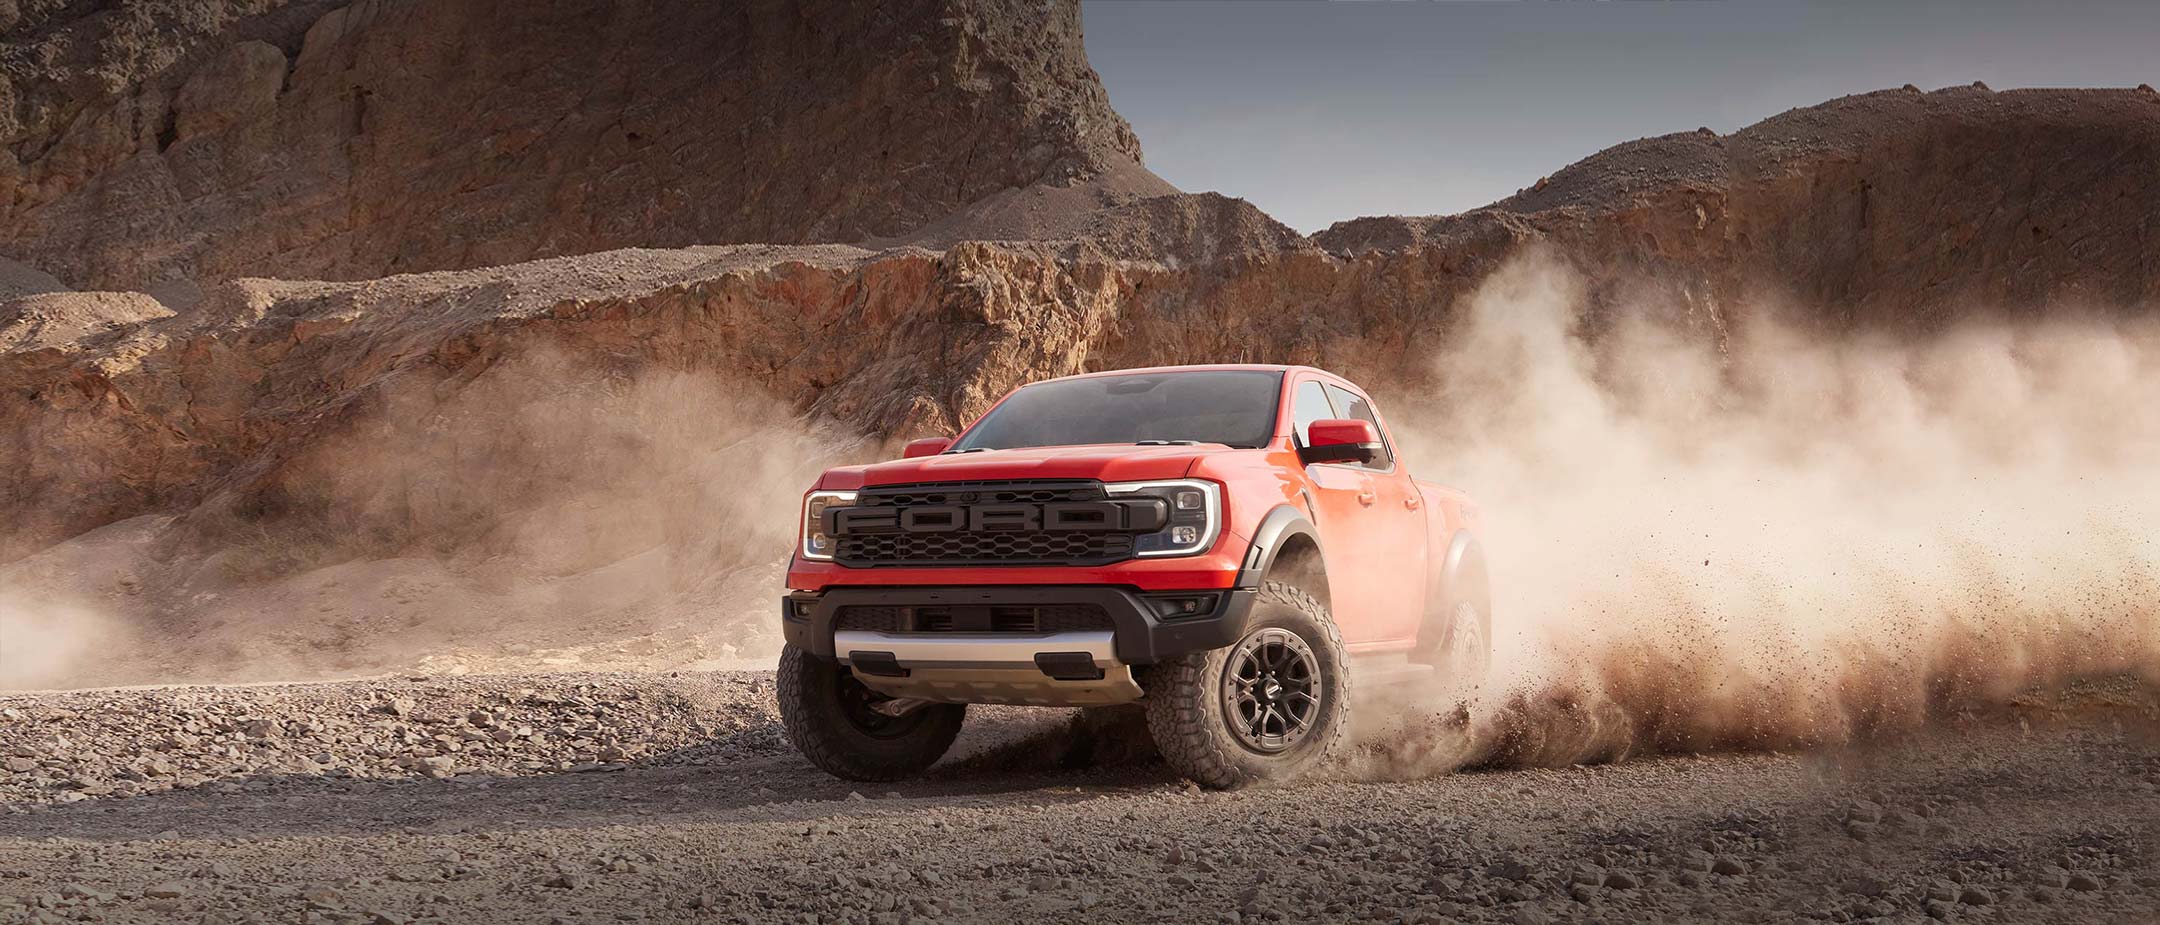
(1268, 707)
(1456, 636)
(1467, 655)
(851, 731)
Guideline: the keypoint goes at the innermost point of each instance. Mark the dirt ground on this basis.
(675, 797)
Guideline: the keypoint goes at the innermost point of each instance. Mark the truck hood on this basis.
(1108, 462)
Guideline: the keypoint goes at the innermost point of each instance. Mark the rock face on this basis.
(1896, 208)
(114, 416)
(336, 139)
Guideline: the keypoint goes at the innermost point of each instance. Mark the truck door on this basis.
(1374, 581)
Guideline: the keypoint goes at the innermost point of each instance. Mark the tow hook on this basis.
(899, 706)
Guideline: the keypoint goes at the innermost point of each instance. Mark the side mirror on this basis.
(1340, 440)
(927, 446)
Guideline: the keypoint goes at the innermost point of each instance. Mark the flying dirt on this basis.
(1779, 538)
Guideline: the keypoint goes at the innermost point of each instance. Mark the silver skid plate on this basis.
(991, 668)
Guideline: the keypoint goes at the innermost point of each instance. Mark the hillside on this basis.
(1897, 208)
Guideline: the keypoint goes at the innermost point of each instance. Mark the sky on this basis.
(1321, 112)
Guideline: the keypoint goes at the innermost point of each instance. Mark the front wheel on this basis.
(853, 732)
(1266, 708)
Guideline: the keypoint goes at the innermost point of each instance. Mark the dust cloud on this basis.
(548, 512)
(1779, 539)
(46, 641)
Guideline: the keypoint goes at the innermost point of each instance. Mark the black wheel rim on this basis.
(1271, 690)
(859, 704)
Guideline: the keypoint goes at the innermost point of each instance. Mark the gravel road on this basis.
(629, 797)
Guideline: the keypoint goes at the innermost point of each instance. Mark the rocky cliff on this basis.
(157, 143)
(1897, 208)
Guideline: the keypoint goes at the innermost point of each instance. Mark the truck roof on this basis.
(1208, 367)
(1197, 368)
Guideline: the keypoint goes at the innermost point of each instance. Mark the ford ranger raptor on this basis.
(1225, 546)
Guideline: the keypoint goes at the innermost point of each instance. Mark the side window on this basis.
(1355, 408)
(1308, 405)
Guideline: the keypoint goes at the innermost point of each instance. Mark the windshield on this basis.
(1234, 407)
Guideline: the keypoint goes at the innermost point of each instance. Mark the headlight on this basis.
(815, 544)
(1195, 516)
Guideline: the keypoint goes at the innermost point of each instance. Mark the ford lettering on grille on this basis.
(1138, 516)
(1043, 523)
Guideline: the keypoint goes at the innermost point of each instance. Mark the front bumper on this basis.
(1216, 569)
(1141, 634)
(1069, 667)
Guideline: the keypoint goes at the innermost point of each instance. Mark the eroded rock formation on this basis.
(1897, 208)
(163, 142)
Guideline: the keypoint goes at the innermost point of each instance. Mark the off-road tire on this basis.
(815, 710)
(1188, 717)
(1468, 651)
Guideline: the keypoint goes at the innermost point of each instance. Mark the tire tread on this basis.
(806, 724)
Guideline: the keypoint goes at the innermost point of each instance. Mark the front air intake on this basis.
(1028, 619)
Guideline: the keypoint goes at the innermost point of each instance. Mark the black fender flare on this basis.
(1268, 540)
(1460, 577)
(1462, 574)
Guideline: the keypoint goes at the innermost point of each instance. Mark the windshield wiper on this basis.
(1166, 443)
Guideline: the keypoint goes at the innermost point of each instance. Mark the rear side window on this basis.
(1309, 404)
(1349, 405)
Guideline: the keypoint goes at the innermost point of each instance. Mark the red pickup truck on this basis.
(1224, 545)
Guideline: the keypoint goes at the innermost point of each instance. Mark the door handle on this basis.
(1367, 498)
(1412, 502)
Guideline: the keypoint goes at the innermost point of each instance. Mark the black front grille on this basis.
(962, 548)
(877, 531)
(974, 618)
